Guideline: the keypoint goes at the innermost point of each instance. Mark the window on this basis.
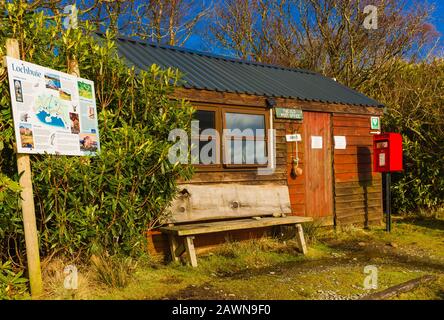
(230, 137)
(207, 137)
(244, 139)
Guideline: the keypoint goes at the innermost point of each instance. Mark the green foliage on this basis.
(11, 225)
(90, 205)
(414, 98)
(8, 188)
(12, 284)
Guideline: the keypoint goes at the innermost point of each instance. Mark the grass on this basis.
(273, 269)
(113, 271)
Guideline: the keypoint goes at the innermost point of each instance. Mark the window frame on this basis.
(217, 121)
(220, 121)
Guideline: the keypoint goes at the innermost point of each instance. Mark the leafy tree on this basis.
(327, 36)
(170, 22)
(415, 108)
(91, 204)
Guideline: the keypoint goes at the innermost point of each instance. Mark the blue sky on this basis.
(438, 18)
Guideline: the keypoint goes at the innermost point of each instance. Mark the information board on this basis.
(54, 112)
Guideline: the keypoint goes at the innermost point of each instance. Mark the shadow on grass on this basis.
(425, 222)
(390, 255)
(202, 292)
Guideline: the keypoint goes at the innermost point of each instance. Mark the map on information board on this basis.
(54, 112)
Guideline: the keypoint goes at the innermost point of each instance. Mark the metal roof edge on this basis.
(246, 62)
(376, 103)
(209, 55)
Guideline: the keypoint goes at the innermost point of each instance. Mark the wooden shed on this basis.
(337, 184)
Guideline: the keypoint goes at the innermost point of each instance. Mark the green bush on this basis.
(414, 98)
(88, 205)
(11, 225)
(12, 284)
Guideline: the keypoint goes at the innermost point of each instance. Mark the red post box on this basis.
(387, 152)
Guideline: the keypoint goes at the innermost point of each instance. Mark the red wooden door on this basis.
(318, 165)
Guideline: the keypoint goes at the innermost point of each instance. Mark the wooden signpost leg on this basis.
(27, 204)
(30, 226)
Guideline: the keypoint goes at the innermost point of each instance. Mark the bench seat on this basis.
(186, 232)
(230, 225)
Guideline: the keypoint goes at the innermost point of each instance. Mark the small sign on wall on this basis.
(340, 142)
(316, 142)
(293, 137)
(287, 113)
(375, 123)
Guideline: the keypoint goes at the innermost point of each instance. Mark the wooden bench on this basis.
(181, 237)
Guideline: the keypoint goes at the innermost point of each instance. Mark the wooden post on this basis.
(27, 204)
(300, 239)
(388, 202)
(189, 245)
(173, 246)
(400, 288)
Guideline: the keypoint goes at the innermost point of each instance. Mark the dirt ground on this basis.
(273, 269)
(347, 256)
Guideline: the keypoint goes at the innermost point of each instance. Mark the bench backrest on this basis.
(228, 201)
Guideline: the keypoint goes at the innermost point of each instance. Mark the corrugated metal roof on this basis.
(218, 73)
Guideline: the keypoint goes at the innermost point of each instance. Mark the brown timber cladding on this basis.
(296, 186)
(357, 191)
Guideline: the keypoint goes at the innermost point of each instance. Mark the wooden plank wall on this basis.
(199, 96)
(296, 186)
(249, 176)
(158, 242)
(244, 176)
(357, 191)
